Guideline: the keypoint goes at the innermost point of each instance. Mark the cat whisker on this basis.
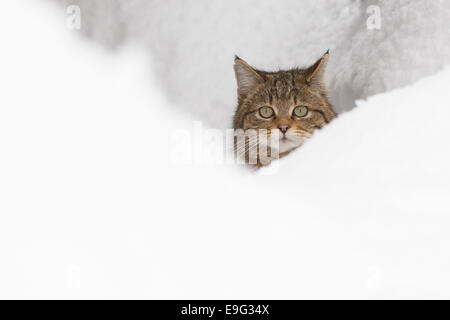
(247, 149)
(302, 133)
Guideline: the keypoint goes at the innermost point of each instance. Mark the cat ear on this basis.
(247, 78)
(316, 74)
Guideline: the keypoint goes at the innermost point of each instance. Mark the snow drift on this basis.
(92, 206)
(192, 44)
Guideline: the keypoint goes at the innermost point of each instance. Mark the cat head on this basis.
(290, 103)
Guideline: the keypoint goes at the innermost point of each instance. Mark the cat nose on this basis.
(283, 128)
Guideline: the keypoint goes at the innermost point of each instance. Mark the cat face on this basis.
(290, 104)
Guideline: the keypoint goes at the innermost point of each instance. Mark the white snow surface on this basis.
(92, 206)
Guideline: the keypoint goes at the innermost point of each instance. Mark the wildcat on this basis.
(289, 104)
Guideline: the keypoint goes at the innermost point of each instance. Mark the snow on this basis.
(92, 205)
(193, 44)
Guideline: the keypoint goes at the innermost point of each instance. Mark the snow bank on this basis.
(192, 44)
(92, 206)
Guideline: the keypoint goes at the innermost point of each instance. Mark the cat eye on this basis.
(300, 111)
(266, 112)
